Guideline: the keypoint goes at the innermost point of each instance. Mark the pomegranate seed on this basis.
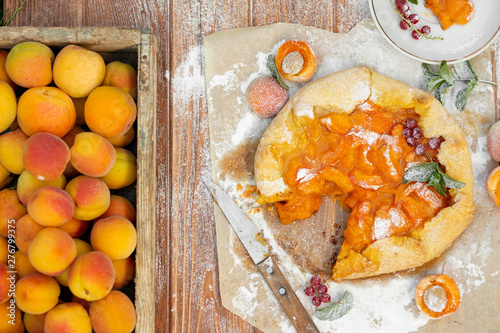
(322, 289)
(402, 6)
(425, 30)
(325, 298)
(414, 18)
(316, 300)
(410, 123)
(310, 291)
(416, 35)
(412, 142)
(418, 133)
(404, 25)
(315, 280)
(420, 149)
(407, 132)
(434, 143)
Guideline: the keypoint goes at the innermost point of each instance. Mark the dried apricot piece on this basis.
(449, 286)
(296, 61)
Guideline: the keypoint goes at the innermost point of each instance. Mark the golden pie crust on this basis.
(341, 92)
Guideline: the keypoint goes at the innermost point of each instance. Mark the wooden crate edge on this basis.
(146, 184)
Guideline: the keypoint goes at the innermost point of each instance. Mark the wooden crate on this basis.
(132, 46)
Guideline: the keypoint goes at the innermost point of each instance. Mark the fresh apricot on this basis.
(119, 206)
(296, 61)
(29, 64)
(7, 283)
(11, 150)
(92, 154)
(113, 313)
(493, 141)
(11, 210)
(493, 185)
(81, 301)
(124, 172)
(8, 104)
(70, 172)
(3, 72)
(121, 75)
(266, 96)
(4, 250)
(82, 247)
(78, 70)
(34, 323)
(110, 111)
(115, 236)
(22, 264)
(74, 227)
(5, 176)
(26, 230)
(125, 139)
(91, 276)
(52, 251)
(124, 272)
(27, 184)
(10, 318)
(37, 293)
(67, 318)
(91, 197)
(45, 156)
(51, 206)
(46, 109)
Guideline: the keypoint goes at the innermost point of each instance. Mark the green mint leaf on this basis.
(336, 310)
(434, 83)
(445, 73)
(441, 90)
(271, 64)
(436, 181)
(450, 182)
(420, 173)
(463, 95)
(471, 69)
(415, 2)
(428, 72)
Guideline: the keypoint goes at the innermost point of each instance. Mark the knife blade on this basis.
(259, 252)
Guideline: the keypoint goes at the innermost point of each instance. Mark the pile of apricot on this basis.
(65, 122)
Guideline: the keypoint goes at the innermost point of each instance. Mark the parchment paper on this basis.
(383, 304)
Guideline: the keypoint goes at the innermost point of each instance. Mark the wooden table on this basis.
(187, 288)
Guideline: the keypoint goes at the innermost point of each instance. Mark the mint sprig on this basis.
(444, 79)
(271, 64)
(337, 310)
(433, 175)
(415, 2)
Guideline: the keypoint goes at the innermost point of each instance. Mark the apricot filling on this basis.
(451, 12)
(360, 159)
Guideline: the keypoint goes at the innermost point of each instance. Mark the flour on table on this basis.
(381, 304)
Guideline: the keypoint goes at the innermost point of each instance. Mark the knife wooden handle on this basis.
(289, 301)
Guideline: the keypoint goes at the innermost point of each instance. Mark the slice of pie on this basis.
(353, 135)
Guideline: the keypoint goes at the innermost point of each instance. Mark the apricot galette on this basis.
(388, 152)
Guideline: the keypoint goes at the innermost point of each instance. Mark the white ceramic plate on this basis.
(461, 42)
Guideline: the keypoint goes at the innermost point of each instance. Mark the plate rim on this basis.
(422, 59)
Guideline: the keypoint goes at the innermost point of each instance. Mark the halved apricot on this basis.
(449, 286)
(296, 61)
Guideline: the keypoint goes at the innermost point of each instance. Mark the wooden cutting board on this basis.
(233, 59)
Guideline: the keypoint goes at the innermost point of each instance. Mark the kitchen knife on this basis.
(259, 252)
